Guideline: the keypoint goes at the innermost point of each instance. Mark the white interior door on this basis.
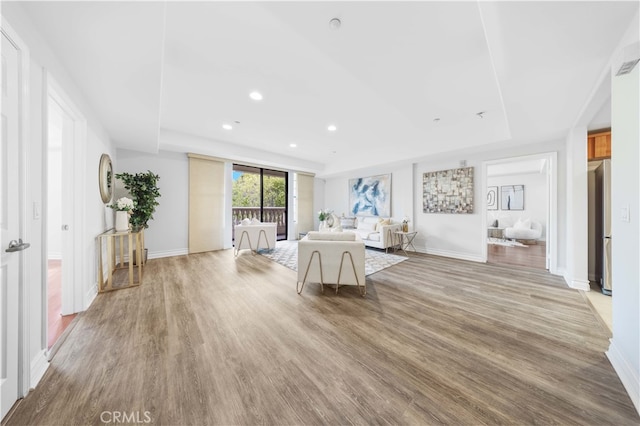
(10, 217)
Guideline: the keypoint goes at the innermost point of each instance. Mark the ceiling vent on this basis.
(627, 67)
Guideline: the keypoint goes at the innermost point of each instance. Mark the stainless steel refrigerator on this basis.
(603, 190)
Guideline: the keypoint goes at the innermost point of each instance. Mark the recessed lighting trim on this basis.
(293, 145)
(227, 126)
(332, 128)
(256, 96)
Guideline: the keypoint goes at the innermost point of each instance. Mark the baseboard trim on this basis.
(453, 255)
(168, 253)
(577, 284)
(92, 293)
(39, 366)
(580, 285)
(627, 375)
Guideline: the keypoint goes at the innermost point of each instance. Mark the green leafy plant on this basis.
(143, 188)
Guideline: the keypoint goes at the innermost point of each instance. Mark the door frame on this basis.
(74, 299)
(552, 204)
(24, 362)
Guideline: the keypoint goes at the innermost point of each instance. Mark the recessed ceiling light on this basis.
(293, 145)
(335, 23)
(332, 128)
(256, 96)
(480, 114)
(227, 126)
(437, 119)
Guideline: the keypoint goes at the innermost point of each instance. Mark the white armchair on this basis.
(331, 258)
(524, 230)
(255, 236)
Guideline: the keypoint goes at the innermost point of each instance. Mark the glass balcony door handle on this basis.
(17, 246)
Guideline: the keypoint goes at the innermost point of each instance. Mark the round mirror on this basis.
(105, 178)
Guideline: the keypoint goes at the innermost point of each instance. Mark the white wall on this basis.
(535, 199)
(459, 236)
(168, 232)
(624, 351)
(43, 61)
(337, 192)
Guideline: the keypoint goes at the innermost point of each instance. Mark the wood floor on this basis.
(208, 339)
(531, 256)
(56, 322)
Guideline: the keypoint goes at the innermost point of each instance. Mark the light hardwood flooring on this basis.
(56, 322)
(531, 256)
(209, 339)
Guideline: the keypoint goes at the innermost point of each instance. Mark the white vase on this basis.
(323, 225)
(122, 221)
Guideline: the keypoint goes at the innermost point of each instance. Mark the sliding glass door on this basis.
(261, 194)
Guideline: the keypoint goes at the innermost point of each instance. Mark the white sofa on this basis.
(375, 233)
(254, 236)
(331, 258)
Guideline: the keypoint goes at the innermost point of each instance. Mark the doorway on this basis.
(520, 211)
(59, 289)
(261, 194)
(63, 183)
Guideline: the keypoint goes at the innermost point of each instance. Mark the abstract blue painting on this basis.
(370, 196)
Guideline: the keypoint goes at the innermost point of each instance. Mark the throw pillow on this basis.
(246, 221)
(255, 221)
(382, 222)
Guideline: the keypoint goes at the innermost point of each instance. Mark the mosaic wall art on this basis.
(448, 191)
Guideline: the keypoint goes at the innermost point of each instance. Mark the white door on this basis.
(10, 217)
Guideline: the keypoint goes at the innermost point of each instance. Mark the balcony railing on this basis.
(270, 214)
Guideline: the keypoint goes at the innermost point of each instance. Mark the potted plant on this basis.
(143, 188)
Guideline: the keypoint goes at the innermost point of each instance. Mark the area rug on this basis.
(506, 243)
(286, 253)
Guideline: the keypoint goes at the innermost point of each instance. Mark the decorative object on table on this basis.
(324, 216)
(123, 208)
(492, 198)
(512, 197)
(370, 196)
(405, 224)
(105, 178)
(448, 191)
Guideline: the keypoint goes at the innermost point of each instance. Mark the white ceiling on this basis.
(168, 75)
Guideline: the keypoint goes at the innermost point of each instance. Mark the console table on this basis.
(120, 274)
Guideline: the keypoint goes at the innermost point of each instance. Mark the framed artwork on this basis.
(492, 198)
(448, 191)
(370, 196)
(512, 197)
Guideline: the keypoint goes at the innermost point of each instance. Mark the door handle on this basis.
(17, 246)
